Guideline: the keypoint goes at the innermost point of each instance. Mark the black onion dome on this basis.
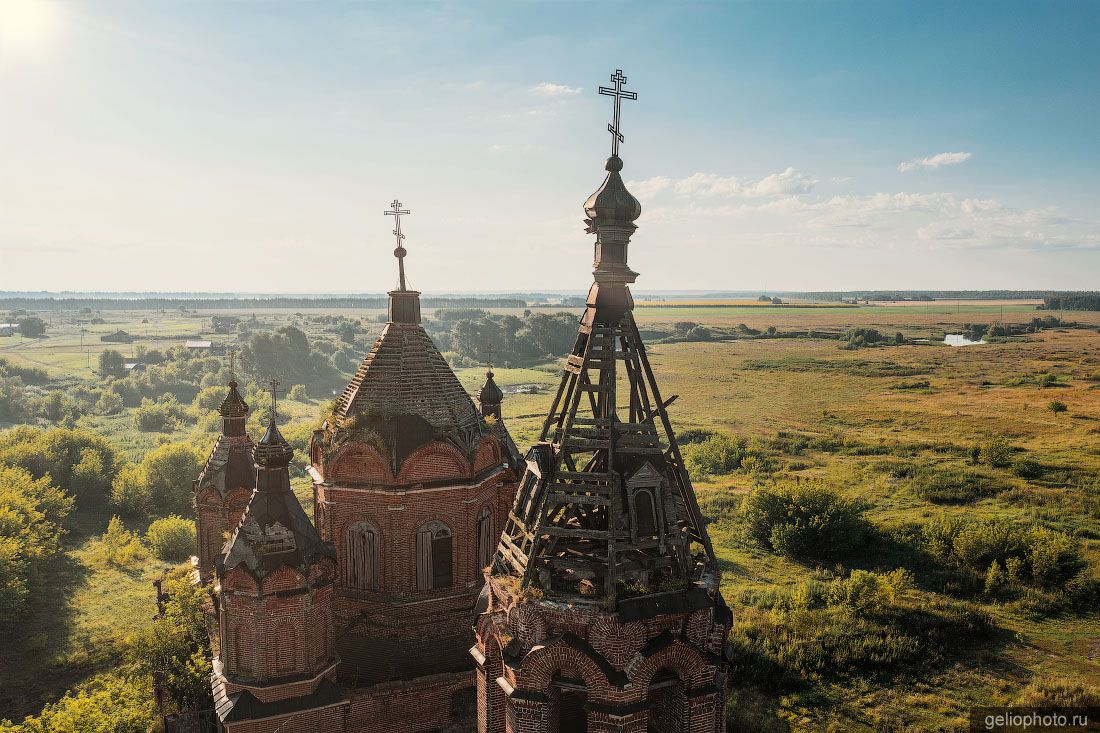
(612, 202)
(490, 393)
(233, 405)
(273, 451)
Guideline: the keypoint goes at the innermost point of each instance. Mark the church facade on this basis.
(358, 619)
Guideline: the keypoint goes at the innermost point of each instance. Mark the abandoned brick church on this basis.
(447, 583)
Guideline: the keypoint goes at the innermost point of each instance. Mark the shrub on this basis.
(864, 592)
(1024, 553)
(172, 538)
(297, 393)
(996, 452)
(1057, 407)
(111, 363)
(160, 416)
(804, 520)
(161, 484)
(717, 454)
(119, 546)
(107, 703)
(1027, 468)
(109, 403)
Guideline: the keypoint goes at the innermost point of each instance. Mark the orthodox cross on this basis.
(274, 397)
(232, 358)
(619, 94)
(489, 357)
(396, 212)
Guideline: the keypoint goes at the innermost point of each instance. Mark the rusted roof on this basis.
(404, 375)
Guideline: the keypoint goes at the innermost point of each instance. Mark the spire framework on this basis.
(606, 506)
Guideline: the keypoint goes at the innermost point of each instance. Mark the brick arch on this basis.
(541, 663)
(487, 454)
(687, 662)
(209, 496)
(436, 460)
(360, 462)
(237, 498)
(240, 579)
(283, 578)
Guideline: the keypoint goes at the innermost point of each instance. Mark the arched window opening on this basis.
(486, 545)
(569, 699)
(361, 557)
(286, 650)
(433, 556)
(645, 513)
(668, 703)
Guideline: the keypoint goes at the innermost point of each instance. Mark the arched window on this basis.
(433, 556)
(646, 513)
(485, 540)
(361, 557)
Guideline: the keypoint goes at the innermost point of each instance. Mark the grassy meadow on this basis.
(873, 423)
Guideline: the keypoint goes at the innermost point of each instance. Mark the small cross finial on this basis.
(489, 357)
(274, 398)
(232, 359)
(399, 252)
(619, 94)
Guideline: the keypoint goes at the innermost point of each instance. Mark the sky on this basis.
(253, 146)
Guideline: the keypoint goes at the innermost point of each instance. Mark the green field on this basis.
(860, 417)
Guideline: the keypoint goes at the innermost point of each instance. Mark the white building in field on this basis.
(9, 329)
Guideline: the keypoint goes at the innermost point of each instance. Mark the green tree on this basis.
(31, 514)
(172, 538)
(1057, 407)
(111, 363)
(175, 646)
(32, 327)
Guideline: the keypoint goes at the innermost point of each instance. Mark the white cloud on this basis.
(550, 89)
(788, 183)
(933, 162)
(647, 189)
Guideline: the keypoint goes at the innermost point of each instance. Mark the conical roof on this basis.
(490, 393)
(229, 465)
(406, 393)
(233, 405)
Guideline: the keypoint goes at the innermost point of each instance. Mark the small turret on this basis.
(490, 396)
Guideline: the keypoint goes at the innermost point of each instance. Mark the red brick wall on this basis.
(215, 518)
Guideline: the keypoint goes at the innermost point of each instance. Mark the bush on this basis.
(175, 646)
(298, 393)
(161, 416)
(996, 452)
(864, 593)
(78, 462)
(109, 403)
(119, 546)
(172, 538)
(1057, 407)
(111, 363)
(1027, 468)
(716, 454)
(32, 327)
(1020, 552)
(805, 520)
(161, 484)
(107, 703)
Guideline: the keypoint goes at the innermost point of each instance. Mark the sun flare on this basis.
(25, 23)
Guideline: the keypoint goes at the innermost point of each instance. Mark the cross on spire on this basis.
(399, 252)
(619, 94)
(274, 397)
(232, 358)
(489, 357)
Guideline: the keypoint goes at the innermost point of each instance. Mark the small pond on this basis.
(958, 339)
